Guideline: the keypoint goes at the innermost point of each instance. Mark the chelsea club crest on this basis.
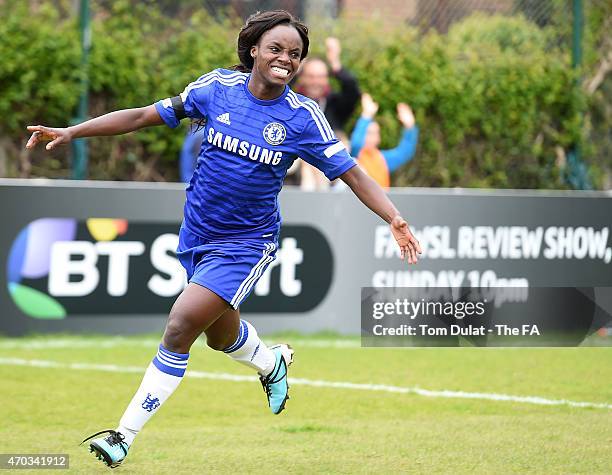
(274, 133)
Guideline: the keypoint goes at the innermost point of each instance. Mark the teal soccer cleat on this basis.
(275, 384)
(111, 450)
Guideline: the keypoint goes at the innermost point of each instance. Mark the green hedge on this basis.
(494, 100)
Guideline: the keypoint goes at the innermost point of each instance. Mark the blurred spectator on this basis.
(313, 82)
(313, 179)
(365, 139)
(293, 176)
(189, 153)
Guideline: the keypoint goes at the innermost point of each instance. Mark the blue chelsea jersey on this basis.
(248, 146)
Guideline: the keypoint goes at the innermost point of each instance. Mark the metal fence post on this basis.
(577, 175)
(79, 146)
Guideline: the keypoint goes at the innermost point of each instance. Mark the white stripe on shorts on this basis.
(247, 283)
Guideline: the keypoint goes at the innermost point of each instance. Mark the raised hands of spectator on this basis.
(369, 108)
(405, 115)
(333, 50)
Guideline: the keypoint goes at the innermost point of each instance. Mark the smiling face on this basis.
(276, 57)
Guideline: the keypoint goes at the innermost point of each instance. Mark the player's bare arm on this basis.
(374, 197)
(113, 123)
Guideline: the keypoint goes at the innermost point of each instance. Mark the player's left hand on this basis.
(409, 246)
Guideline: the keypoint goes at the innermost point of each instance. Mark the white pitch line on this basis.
(63, 343)
(318, 383)
(149, 343)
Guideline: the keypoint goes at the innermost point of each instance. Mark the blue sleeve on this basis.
(320, 147)
(194, 101)
(404, 151)
(359, 134)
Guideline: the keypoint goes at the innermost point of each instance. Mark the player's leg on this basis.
(240, 341)
(224, 331)
(192, 313)
(195, 310)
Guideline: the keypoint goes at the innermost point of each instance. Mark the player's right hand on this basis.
(54, 136)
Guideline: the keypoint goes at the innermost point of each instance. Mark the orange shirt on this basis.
(375, 165)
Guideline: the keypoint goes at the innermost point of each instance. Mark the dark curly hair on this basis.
(256, 25)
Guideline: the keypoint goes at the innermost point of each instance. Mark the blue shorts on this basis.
(230, 268)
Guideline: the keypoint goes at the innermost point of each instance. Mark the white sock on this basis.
(249, 350)
(160, 380)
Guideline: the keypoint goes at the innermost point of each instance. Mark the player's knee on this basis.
(176, 336)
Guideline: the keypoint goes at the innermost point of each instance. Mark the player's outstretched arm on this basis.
(113, 123)
(374, 197)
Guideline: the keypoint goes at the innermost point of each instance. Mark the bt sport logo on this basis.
(61, 267)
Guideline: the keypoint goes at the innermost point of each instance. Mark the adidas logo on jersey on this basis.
(224, 118)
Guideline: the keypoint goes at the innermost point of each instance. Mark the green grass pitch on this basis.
(224, 426)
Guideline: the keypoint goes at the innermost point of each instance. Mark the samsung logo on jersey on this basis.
(244, 148)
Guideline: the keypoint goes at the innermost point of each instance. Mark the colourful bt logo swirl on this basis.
(33, 254)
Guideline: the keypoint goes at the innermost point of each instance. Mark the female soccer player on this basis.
(255, 128)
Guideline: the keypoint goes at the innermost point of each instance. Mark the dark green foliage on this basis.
(39, 58)
(494, 98)
(138, 57)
